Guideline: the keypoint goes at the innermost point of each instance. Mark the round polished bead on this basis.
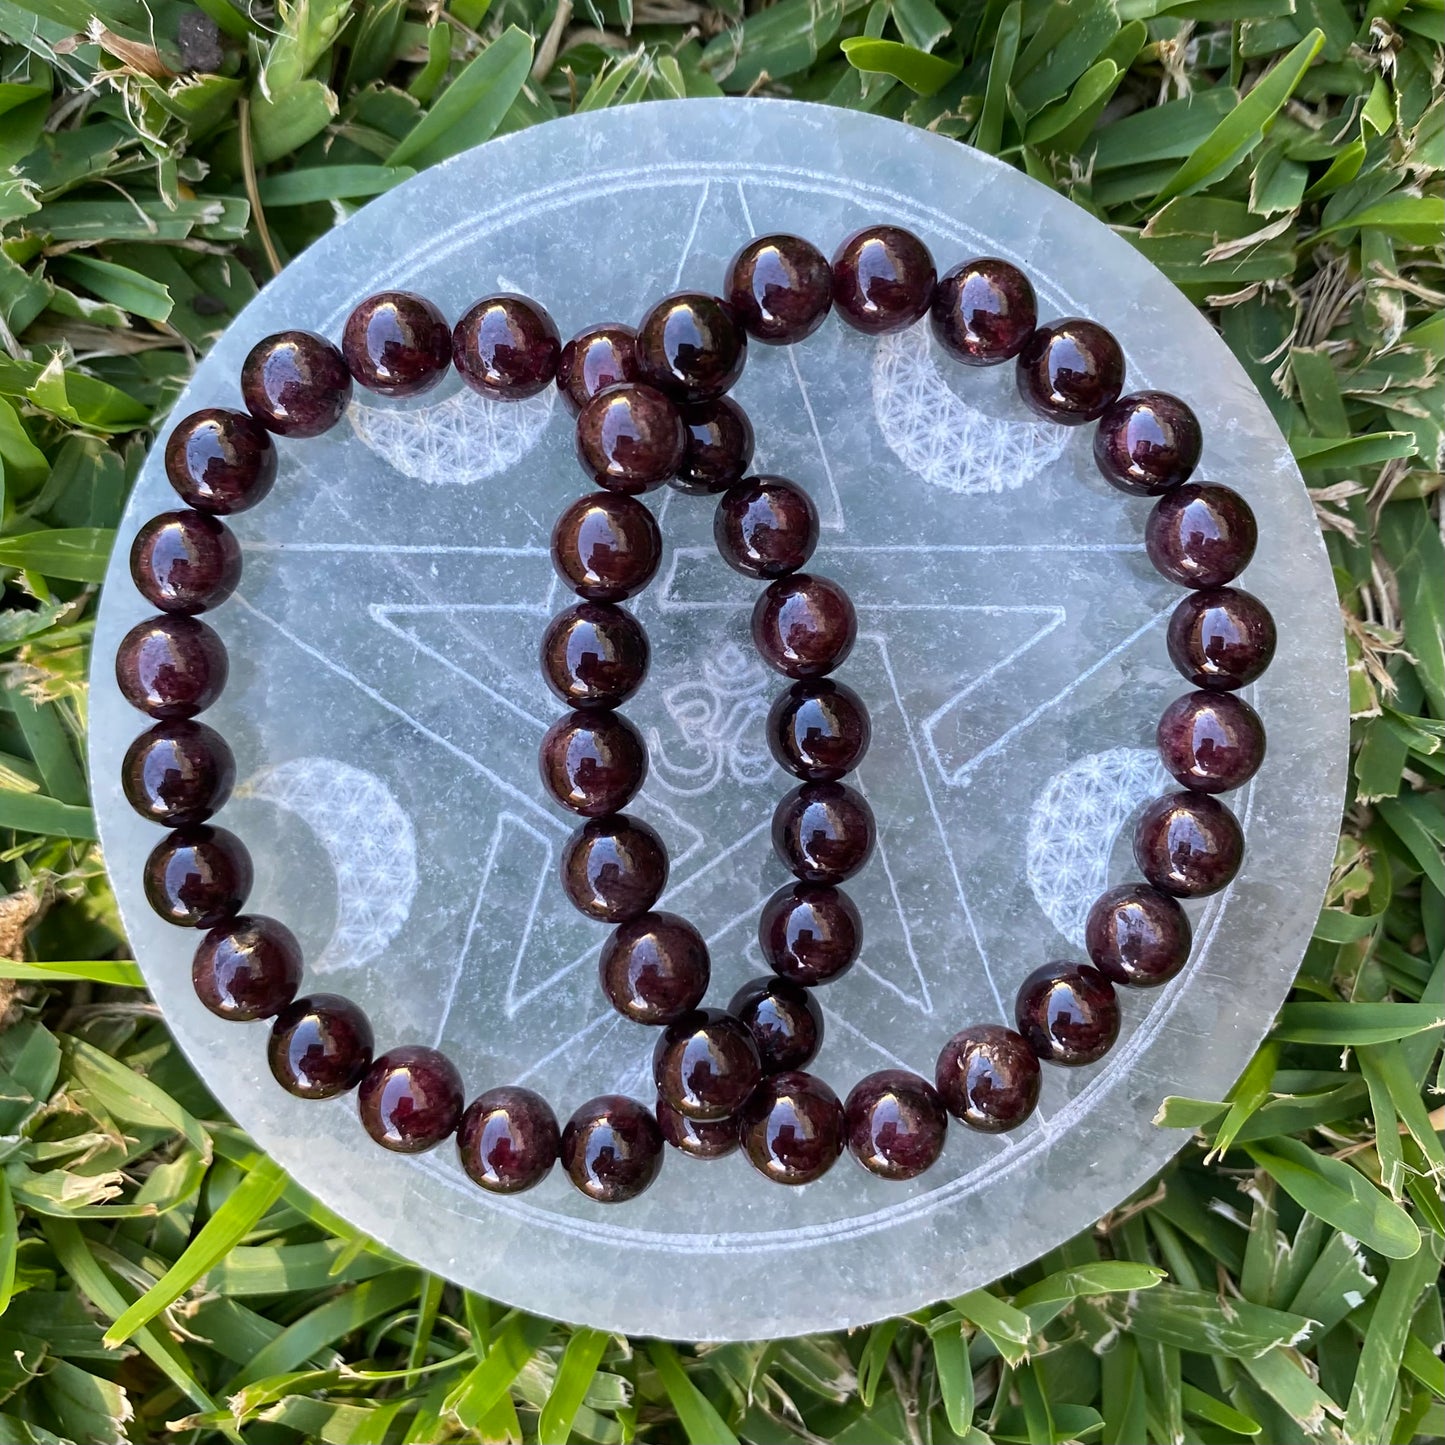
(1148, 443)
(1188, 844)
(320, 1046)
(630, 439)
(397, 344)
(810, 933)
(1068, 1013)
(988, 1078)
(823, 832)
(780, 288)
(411, 1099)
(896, 1124)
(247, 968)
(593, 763)
(983, 311)
(612, 1148)
(295, 384)
(1201, 535)
(706, 1064)
(185, 562)
(819, 730)
(719, 447)
(594, 359)
(1211, 741)
(1221, 638)
(697, 1138)
(804, 625)
(508, 1140)
(1070, 371)
(507, 348)
(1137, 935)
(691, 346)
(655, 969)
(594, 655)
(171, 667)
(883, 279)
(198, 877)
(606, 547)
(785, 1020)
(792, 1128)
(614, 869)
(765, 527)
(177, 773)
(220, 461)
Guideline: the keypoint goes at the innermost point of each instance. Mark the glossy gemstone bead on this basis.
(197, 877)
(792, 1128)
(883, 279)
(691, 346)
(823, 832)
(1201, 535)
(295, 384)
(508, 1140)
(810, 933)
(765, 527)
(593, 763)
(185, 562)
(220, 461)
(819, 730)
(785, 1020)
(594, 655)
(655, 969)
(606, 547)
(1068, 1013)
(780, 288)
(171, 667)
(804, 625)
(1188, 844)
(697, 1138)
(397, 343)
(594, 359)
(988, 1078)
(612, 1148)
(983, 311)
(719, 447)
(177, 773)
(411, 1099)
(706, 1064)
(1211, 741)
(614, 869)
(1070, 371)
(320, 1046)
(1148, 443)
(247, 968)
(507, 348)
(896, 1124)
(1137, 935)
(630, 439)
(1221, 638)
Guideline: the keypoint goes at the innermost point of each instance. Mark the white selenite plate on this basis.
(385, 708)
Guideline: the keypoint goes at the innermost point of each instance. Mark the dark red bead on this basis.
(983, 311)
(593, 763)
(630, 439)
(1137, 935)
(171, 667)
(691, 346)
(185, 562)
(804, 625)
(411, 1099)
(706, 1064)
(594, 359)
(1068, 1013)
(1070, 371)
(988, 1078)
(507, 348)
(1201, 535)
(320, 1046)
(819, 730)
(397, 343)
(784, 1019)
(697, 1138)
(1148, 443)
(220, 461)
(247, 968)
(719, 447)
(198, 877)
(606, 547)
(295, 384)
(1211, 741)
(792, 1129)
(612, 1148)
(823, 832)
(1188, 844)
(896, 1124)
(1222, 638)
(810, 933)
(614, 869)
(883, 279)
(765, 527)
(594, 655)
(177, 773)
(508, 1140)
(655, 969)
(780, 288)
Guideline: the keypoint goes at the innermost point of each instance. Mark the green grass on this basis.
(1281, 161)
